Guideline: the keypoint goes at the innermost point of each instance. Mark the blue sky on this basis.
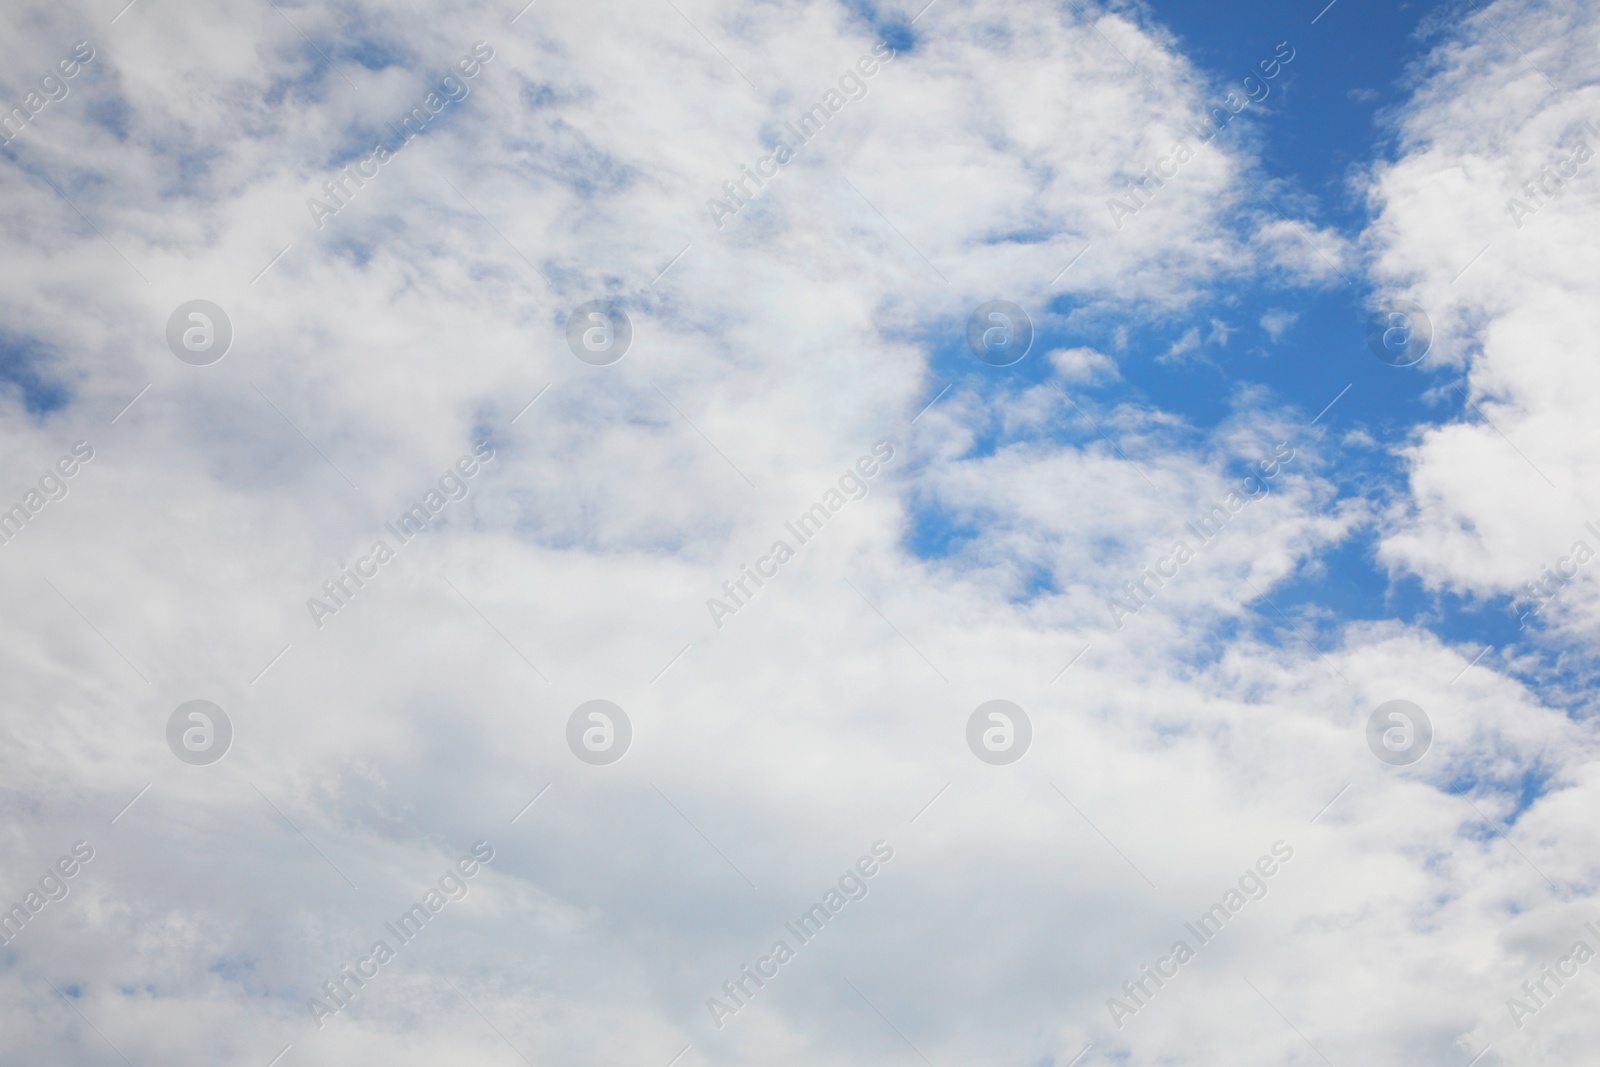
(1326, 123)
(1355, 68)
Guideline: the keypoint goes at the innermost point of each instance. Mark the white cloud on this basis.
(1183, 346)
(773, 750)
(1083, 365)
(1278, 320)
(1501, 488)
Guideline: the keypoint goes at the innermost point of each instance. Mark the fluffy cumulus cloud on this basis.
(400, 534)
(1482, 222)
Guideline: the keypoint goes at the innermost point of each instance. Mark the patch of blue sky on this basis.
(374, 53)
(537, 96)
(1301, 346)
(240, 969)
(360, 137)
(1523, 788)
(1280, 345)
(1352, 61)
(937, 532)
(562, 153)
(110, 111)
(325, 59)
(311, 83)
(357, 243)
(24, 364)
